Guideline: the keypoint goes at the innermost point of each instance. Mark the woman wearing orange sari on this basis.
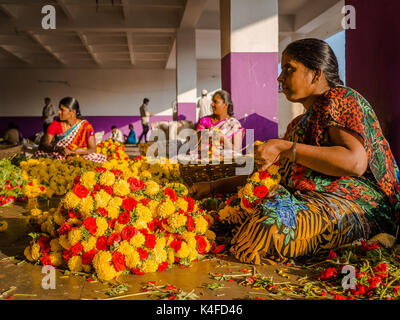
(69, 136)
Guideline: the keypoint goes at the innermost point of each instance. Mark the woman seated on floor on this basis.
(221, 125)
(131, 138)
(340, 181)
(69, 136)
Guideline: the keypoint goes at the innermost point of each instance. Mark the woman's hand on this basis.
(200, 190)
(268, 153)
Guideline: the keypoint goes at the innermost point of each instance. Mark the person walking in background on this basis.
(131, 139)
(116, 134)
(145, 115)
(204, 104)
(48, 114)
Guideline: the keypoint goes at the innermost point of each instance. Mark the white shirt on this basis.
(117, 136)
(205, 107)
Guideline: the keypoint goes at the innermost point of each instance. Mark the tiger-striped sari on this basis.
(322, 212)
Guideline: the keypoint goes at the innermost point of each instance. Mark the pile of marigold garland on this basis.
(112, 150)
(115, 221)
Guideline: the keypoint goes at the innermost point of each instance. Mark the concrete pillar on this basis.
(186, 74)
(373, 64)
(249, 66)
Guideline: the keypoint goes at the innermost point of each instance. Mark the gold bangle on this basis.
(294, 152)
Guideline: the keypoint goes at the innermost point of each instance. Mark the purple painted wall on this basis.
(251, 80)
(373, 63)
(29, 126)
(187, 111)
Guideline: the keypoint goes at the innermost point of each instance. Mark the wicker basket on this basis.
(192, 173)
(8, 152)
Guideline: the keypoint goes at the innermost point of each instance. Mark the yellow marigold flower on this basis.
(139, 224)
(171, 256)
(255, 177)
(152, 205)
(71, 201)
(137, 240)
(74, 222)
(89, 244)
(125, 248)
(115, 202)
(248, 190)
(165, 209)
(210, 235)
(87, 268)
(181, 204)
(36, 212)
(56, 258)
(86, 206)
(107, 178)
(183, 251)
(118, 227)
(88, 179)
(102, 198)
(176, 220)
(200, 225)
(268, 183)
(149, 265)
(27, 253)
(145, 174)
(58, 218)
(102, 226)
(63, 241)
(101, 263)
(55, 245)
(74, 236)
(160, 255)
(273, 170)
(113, 212)
(75, 264)
(121, 188)
(132, 259)
(144, 213)
(193, 254)
(35, 251)
(152, 188)
(160, 243)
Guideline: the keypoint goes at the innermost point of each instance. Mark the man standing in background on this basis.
(48, 114)
(204, 104)
(145, 115)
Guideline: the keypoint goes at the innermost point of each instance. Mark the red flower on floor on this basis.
(129, 204)
(381, 270)
(162, 266)
(45, 259)
(137, 271)
(219, 249)
(80, 191)
(90, 224)
(328, 273)
(118, 260)
(44, 243)
(201, 244)
(369, 246)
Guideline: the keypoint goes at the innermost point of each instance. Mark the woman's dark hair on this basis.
(71, 104)
(316, 55)
(226, 97)
(114, 127)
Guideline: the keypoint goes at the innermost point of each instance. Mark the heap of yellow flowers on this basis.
(117, 219)
(112, 150)
(251, 195)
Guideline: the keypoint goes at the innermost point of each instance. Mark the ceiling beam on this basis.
(16, 55)
(126, 9)
(37, 39)
(8, 11)
(130, 46)
(89, 48)
(65, 9)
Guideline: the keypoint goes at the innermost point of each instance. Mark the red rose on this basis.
(190, 202)
(263, 175)
(142, 253)
(137, 271)
(176, 245)
(90, 224)
(144, 232)
(101, 243)
(108, 189)
(64, 228)
(66, 255)
(100, 169)
(145, 201)
(44, 243)
(88, 256)
(102, 211)
(129, 204)
(171, 194)
(162, 266)
(201, 244)
(80, 191)
(260, 191)
(45, 259)
(190, 223)
(76, 248)
(135, 184)
(328, 273)
(118, 260)
(113, 237)
(97, 187)
(151, 225)
(150, 241)
(124, 217)
(128, 232)
(111, 223)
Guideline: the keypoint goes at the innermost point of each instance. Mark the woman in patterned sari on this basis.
(221, 126)
(340, 181)
(70, 136)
